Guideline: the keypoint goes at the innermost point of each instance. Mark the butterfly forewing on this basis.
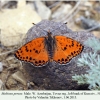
(65, 49)
(34, 52)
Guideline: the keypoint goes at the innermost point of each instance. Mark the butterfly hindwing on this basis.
(34, 52)
(65, 49)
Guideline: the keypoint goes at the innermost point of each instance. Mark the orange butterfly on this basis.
(42, 50)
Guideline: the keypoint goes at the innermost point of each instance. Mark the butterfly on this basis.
(49, 48)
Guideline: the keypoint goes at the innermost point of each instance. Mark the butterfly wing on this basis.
(34, 52)
(65, 49)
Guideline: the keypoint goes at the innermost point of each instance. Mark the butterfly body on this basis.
(42, 50)
(49, 43)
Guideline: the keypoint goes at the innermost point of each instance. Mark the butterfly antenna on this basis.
(33, 23)
(49, 30)
(65, 23)
(39, 27)
(58, 27)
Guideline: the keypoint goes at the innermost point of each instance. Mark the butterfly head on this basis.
(49, 33)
